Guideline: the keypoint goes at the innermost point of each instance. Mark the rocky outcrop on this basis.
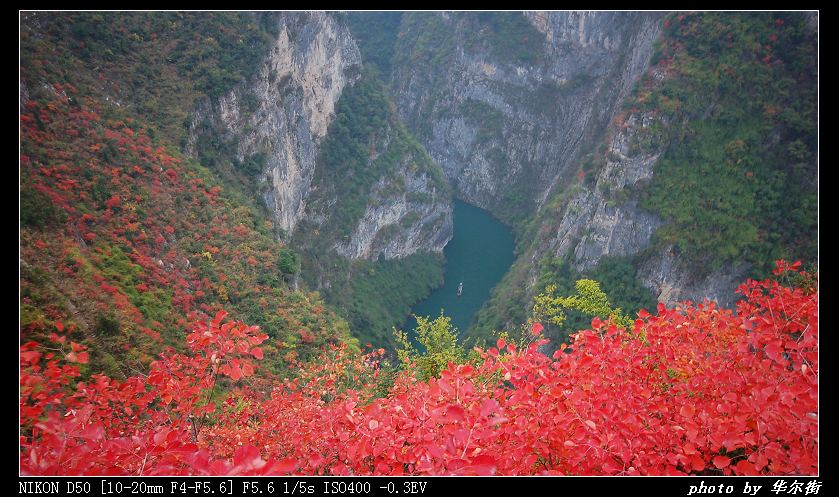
(283, 116)
(395, 226)
(284, 112)
(673, 281)
(504, 128)
(594, 225)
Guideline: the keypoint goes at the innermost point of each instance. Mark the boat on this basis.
(460, 289)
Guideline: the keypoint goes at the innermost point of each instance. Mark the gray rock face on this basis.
(284, 114)
(505, 132)
(664, 272)
(397, 226)
(594, 225)
(285, 111)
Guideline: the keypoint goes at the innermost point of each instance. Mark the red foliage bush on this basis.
(691, 390)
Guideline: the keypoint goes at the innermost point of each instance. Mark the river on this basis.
(479, 254)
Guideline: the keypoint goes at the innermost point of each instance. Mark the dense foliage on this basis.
(690, 390)
(375, 296)
(741, 92)
(615, 275)
(124, 242)
(155, 64)
(376, 33)
(437, 347)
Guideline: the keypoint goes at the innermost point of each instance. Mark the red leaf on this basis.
(284, 466)
(456, 413)
(234, 372)
(537, 328)
(92, 432)
(247, 459)
(30, 356)
(489, 407)
(721, 462)
(774, 350)
(482, 465)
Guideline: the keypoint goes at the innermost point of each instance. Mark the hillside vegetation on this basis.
(690, 390)
(733, 99)
(123, 240)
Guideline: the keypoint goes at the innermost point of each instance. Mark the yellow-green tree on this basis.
(439, 338)
(589, 299)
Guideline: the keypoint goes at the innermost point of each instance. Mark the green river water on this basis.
(478, 255)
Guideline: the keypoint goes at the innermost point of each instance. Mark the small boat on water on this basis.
(460, 289)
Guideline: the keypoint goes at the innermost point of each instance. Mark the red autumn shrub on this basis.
(691, 390)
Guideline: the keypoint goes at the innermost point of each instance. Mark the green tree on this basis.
(289, 264)
(589, 300)
(439, 338)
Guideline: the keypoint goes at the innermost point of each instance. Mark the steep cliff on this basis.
(603, 219)
(594, 223)
(340, 174)
(707, 175)
(274, 127)
(376, 192)
(395, 225)
(282, 114)
(506, 103)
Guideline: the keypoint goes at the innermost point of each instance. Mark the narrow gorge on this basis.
(353, 243)
(357, 149)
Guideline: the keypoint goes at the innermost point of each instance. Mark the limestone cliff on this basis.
(394, 226)
(278, 123)
(504, 124)
(604, 219)
(284, 112)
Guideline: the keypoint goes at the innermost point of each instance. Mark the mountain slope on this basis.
(709, 171)
(252, 97)
(124, 241)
